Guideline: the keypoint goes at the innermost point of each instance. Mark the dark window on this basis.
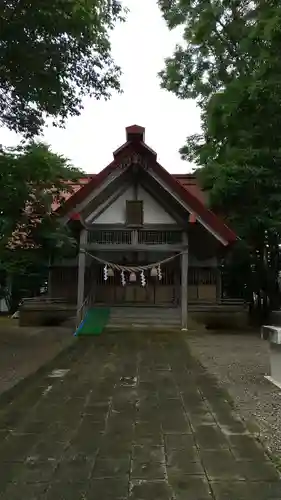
(134, 213)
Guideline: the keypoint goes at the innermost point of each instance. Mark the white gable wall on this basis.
(153, 213)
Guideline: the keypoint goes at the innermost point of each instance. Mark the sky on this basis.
(139, 46)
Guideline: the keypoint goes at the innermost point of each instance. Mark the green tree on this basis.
(52, 54)
(32, 180)
(229, 62)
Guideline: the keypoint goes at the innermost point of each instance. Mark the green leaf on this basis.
(52, 54)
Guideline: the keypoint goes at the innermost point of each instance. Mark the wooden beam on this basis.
(133, 248)
(184, 284)
(81, 273)
(123, 227)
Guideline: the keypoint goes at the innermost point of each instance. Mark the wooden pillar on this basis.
(81, 272)
(50, 290)
(134, 237)
(184, 284)
(219, 286)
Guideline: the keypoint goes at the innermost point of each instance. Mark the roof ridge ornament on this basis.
(132, 159)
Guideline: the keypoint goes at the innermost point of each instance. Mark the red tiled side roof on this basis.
(190, 183)
(75, 188)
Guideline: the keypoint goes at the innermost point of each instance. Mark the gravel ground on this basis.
(240, 363)
(23, 350)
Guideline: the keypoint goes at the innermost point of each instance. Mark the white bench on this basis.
(272, 333)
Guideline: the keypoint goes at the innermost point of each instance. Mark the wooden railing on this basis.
(82, 311)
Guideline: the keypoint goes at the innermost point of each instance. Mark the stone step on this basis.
(143, 315)
(141, 312)
(145, 320)
(142, 326)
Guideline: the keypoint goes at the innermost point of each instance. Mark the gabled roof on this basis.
(184, 186)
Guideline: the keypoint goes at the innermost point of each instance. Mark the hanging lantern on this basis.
(123, 278)
(153, 272)
(143, 280)
(132, 277)
(110, 272)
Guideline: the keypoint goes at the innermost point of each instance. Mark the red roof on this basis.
(75, 187)
(185, 186)
(190, 183)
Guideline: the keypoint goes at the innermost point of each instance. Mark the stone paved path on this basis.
(135, 416)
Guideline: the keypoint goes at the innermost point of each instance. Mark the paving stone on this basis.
(152, 440)
(143, 429)
(204, 418)
(115, 448)
(17, 448)
(8, 474)
(83, 447)
(148, 470)
(246, 447)
(187, 467)
(178, 458)
(171, 406)
(34, 471)
(176, 425)
(187, 487)
(108, 489)
(231, 426)
(77, 470)
(210, 437)
(91, 428)
(147, 415)
(179, 441)
(47, 450)
(246, 490)
(147, 387)
(147, 453)
(46, 412)
(150, 400)
(25, 491)
(59, 432)
(11, 419)
(150, 490)
(111, 468)
(162, 367)
(193, 400)
(35, 427)
(120, 426)
(221, 465)
(66, 490)
(3, 435)
(258, 470)
(98, 411)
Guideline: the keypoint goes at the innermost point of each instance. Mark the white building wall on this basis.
(153, 212)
